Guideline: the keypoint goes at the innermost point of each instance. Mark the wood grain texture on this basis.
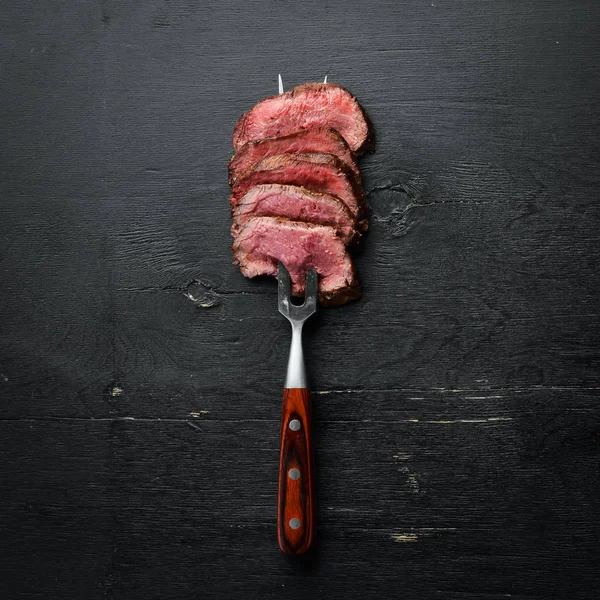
(456, 414)
(296, 489)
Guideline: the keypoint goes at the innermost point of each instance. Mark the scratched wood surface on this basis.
(456, 409)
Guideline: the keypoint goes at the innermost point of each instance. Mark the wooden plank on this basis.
(455, 506)
(498, 305)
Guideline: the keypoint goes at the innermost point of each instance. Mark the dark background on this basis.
(456, 404)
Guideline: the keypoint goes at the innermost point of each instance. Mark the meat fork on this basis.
(296, 492)
(296, 496)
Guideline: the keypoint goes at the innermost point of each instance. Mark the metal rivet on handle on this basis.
(294, 474)
(295, 523)
(295, 425)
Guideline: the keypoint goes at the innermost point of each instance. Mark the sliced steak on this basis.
(315, 171)
(263, 241)
(297, 204)
(304, 107)
(319, 139)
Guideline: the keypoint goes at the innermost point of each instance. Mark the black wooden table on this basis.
(456, 408)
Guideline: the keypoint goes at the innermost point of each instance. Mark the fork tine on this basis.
(284, 289)
(312, 287)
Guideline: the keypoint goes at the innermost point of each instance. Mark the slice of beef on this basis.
(304, 107)
(319, 139)
(315, 171)
(263, 241)
(297, 204)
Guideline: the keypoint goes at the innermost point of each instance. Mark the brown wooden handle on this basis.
(296, 502)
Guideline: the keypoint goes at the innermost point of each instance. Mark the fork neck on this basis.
(296, 371)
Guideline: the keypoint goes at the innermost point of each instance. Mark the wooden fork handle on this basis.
(296, 501)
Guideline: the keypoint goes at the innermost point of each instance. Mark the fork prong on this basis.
(284, 289)
(310, 295)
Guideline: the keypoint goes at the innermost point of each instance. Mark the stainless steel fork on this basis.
(296, 498)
